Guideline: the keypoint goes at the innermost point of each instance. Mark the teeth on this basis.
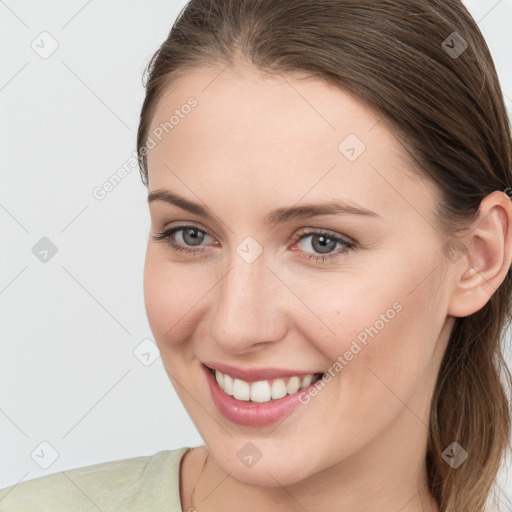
(293, 385)
(220, 379)
(228, 384)
(241, 389)
(278, 389)
(263, 390)
(306, 381)
(260, 391)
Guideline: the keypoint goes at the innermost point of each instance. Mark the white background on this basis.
(69, 326)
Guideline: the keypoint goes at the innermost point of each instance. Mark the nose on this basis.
(248, 310)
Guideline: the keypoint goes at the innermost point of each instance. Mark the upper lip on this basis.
(255, 374)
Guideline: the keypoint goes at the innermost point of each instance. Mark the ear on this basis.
(487, 256)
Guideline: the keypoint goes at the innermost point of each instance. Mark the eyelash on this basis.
(166, 237)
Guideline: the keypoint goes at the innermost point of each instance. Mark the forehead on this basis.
(278, 110)
(279, 136)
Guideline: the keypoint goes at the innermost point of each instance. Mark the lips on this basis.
(256, 374)
(251, 414)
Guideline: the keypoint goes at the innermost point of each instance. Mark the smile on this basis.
(244, 408)
(263, 391)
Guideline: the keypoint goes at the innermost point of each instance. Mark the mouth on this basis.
(258, 403)
(264, 390)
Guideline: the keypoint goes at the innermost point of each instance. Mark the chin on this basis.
(273, 469)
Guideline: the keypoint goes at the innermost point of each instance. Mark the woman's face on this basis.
(370, 310)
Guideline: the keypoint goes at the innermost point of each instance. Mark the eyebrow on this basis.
(280, 215)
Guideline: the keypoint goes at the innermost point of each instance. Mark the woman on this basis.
(327, 273)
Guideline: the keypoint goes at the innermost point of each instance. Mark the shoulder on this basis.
(148, 482)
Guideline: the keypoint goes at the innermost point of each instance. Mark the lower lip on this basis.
(252, 414)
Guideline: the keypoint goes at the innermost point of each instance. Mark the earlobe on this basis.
(487, 260)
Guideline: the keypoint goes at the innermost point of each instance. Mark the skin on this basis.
(255, 143)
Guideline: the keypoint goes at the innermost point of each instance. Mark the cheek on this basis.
(343, 311)
(173, 296)
(385, 338)
(366, 322)
(163, 294)
(364, 327)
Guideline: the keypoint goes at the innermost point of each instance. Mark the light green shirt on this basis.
(149, 483)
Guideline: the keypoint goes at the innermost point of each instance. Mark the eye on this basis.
(191, 234)
(322, 241)
(325, 242)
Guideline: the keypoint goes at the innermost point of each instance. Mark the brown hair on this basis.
(425, 67)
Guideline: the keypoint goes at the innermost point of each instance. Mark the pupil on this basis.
(325, 243)
(195, 237)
